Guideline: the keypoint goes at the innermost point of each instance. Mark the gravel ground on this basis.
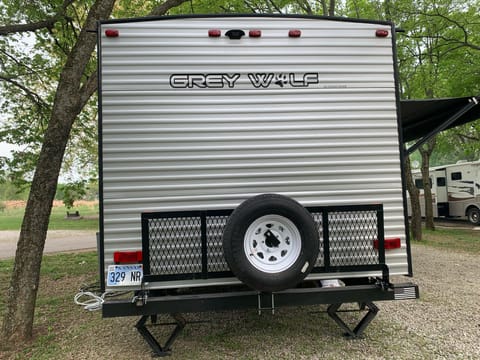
(447, 315)
(443, 324)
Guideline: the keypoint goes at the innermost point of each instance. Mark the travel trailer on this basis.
(455, 190)
(250, 162)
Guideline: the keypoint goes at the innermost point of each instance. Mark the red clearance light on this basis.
(127, 257)
(255, 33)
(214, 33)
(111, 33)
(390, 243)
(295, 33)
(381, 33)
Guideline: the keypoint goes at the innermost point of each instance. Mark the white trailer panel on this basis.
(194, 122)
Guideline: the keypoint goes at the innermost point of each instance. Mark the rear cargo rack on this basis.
(187, 245)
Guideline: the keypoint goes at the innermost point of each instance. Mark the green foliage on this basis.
(439, 56)
(8, 191)
(233, 6)
(71, 192)
(30, 68)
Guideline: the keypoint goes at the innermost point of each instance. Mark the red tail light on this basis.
(127, 257)
(381, 33)
(390, 243)
(111, 33)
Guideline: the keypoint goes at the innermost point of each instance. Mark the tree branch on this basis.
(167, 5)
(21, 28)
(88, 89)
(48, 23)
(305, 6)
(30, 94)
(275, 6)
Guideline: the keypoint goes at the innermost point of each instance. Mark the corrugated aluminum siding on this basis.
(330, 143)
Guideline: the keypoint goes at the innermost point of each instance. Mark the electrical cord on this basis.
(91, 297)
(94, 303)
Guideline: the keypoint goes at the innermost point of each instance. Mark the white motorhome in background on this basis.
(455, 190)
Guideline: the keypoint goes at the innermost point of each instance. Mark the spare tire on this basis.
(271, 242)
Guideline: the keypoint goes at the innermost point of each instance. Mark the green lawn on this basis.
(452, 239)
(11, 218)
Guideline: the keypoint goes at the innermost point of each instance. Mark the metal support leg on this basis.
(361, 326)
(157, 349)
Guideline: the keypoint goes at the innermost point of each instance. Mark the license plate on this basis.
(124, 275)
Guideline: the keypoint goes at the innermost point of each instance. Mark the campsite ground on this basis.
(443, 324)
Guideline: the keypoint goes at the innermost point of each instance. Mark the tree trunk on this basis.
(415, 214)
(331, 8)
(426, 150)
(73, 91)
(324, 7)
(22, 292)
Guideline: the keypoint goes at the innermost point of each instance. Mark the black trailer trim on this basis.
(101, 235)
(244, 15)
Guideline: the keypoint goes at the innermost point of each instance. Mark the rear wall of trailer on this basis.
(190, 121)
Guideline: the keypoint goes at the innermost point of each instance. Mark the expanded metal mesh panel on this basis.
(317, 216)
(175, 245)
(216, 260)
(188, 245)
(351, 238)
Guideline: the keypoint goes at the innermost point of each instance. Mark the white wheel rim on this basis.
(272, 243)
(474, 216)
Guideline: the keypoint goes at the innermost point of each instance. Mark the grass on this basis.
(452, 239)
(61, 276)
(64, 330)
(12, 218)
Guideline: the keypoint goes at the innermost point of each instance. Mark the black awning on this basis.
(421, 117)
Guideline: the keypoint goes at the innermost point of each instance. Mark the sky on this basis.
(5, 149)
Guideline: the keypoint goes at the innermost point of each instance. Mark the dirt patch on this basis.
(15, 204)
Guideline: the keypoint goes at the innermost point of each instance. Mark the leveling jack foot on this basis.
(157, 349)
(363, 323)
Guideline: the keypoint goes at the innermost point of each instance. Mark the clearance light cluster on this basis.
(389, 243)
(127, 257)
(255, 33)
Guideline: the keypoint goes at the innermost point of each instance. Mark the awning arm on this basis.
(472, 102)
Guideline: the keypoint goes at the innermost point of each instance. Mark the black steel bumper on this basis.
(221, 301)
